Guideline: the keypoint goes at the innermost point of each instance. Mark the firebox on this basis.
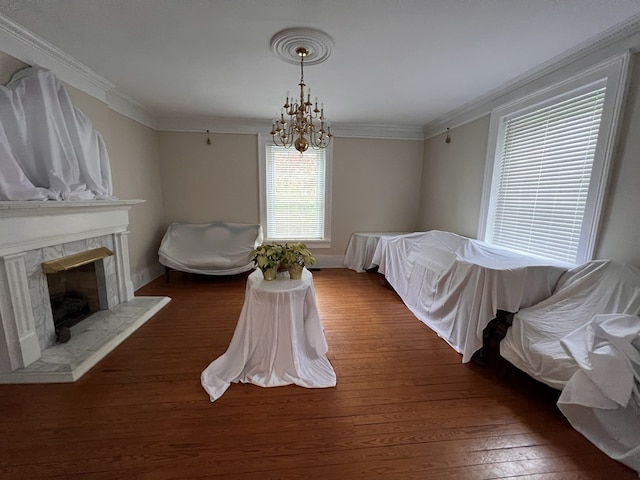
(76, 288)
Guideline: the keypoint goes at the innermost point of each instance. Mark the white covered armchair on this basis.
(217, 248)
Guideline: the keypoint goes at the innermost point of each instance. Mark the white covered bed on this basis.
(455, 285)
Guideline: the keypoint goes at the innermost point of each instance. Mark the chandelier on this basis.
(301, 123)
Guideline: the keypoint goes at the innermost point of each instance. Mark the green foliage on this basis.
(268, 255)
(271, 255)
(298, 253)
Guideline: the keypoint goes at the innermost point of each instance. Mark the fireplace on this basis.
(76, 288)
(36, 238)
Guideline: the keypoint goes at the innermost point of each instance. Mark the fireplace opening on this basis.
(68, 309)
(77, 289)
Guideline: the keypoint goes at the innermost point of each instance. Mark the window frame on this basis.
(613, 74)
(325, 242)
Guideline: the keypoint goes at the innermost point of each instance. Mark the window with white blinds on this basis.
(295, 192)
(544, 175)
(547, 168)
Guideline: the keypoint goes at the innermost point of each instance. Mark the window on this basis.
(547, 166)
(295, 193)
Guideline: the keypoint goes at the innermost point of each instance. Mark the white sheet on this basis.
(279, 339)
(533, 342)
(361, 248)
(48, 149)
(602, 398)
(455, 284)
(217, 248)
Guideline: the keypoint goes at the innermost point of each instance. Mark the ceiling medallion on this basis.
(286, 42)
(301, 123)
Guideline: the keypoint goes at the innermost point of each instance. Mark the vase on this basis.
(295, 271)
(270, 273)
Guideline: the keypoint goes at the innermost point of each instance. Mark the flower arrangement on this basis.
(298, 253)
(296, 256)
(269, 256)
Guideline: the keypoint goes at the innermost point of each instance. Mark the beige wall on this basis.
(453, 178)
(204, 182)
(8, 66)
(376, 183)
(619, 237)
(134, 158)
(376, 187)
(136, 175)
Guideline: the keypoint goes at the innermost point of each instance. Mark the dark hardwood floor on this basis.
(405, 407)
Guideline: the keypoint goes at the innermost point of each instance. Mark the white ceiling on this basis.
(395, 62)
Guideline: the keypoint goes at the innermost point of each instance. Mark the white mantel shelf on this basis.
(32, 225)
(14, 208)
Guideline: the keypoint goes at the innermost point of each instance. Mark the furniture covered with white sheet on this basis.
(279, 339)
(532, 344)
(361, 247)
(218, 248)
(455, 285)
(602, 398)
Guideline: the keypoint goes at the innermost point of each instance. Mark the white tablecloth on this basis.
(279, 339)
(359, 254)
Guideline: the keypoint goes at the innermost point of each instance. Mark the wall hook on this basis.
(208, 138)
(448, 139)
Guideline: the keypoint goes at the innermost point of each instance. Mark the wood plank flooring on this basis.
(405, 407)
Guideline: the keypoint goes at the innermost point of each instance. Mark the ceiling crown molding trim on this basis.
(17, 41)
(383, 132)
(254, 126)
(213, 124)
(622, 37)
(26, 46)
(127, 106)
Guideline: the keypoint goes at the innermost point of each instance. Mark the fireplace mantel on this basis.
(31, 225)
(31, 231)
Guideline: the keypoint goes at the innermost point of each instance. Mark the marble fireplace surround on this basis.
(34, 232)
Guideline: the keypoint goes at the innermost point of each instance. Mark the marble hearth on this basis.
(35, 232)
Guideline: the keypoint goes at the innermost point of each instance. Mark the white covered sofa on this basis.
(217, 248)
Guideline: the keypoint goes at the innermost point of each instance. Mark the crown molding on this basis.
(254, 126)
(131, 108)
(249, 126)
(385, 132)
(29, 48)
(618, 39)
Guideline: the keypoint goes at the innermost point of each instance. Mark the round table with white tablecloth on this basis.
(279, 339)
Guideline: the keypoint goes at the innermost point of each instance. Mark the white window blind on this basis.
(295, 193)
(542, 182)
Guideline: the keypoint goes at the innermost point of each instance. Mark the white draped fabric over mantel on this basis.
(49, 150)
